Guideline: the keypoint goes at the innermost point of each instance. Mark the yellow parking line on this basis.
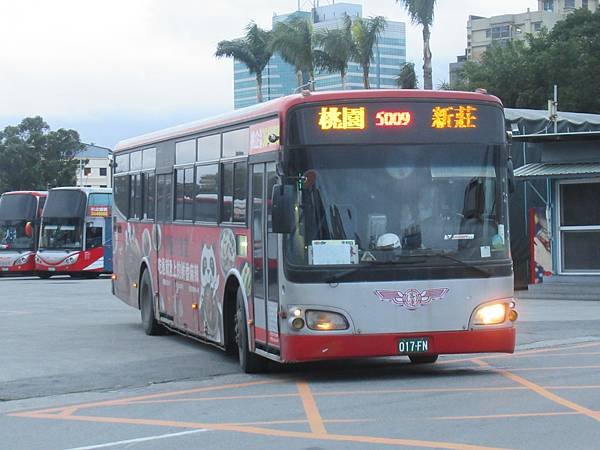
(310, 408)
(276, 433)
(534, 369)
(142, 397)
(543, 392)
(504, 416)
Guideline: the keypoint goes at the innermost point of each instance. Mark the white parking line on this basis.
(144, 439)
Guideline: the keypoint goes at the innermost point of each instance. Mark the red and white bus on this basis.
(20, 213)
(76, 236)
(323, 225)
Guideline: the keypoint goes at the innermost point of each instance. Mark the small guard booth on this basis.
(555, 209)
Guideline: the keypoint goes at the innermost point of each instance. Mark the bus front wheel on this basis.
(423, 359)
(249, 362)
(149, 322)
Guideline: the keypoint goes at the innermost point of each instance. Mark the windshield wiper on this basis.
(484, 272)
(341, 275)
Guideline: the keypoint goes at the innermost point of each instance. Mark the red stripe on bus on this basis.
(296, 348)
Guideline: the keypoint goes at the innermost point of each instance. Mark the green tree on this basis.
(335, 49)
(523, 74)
(421, 12)
(294, 41)
(254, 50)
(33, 157)
(407, 78)
(365, 33)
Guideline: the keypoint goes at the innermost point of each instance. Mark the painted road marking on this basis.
(310, 409)
(135, 441)
(543, 392)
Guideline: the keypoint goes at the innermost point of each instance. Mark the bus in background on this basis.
(76, 236)
(20, 213)
(323, 225)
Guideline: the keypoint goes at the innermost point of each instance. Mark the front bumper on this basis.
(298, 348)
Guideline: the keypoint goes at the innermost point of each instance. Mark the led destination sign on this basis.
(395, 122)
(350, 118)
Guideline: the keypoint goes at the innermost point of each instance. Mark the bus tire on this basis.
(151, 326)
(249, 362)
(43, 275)
(423, 359)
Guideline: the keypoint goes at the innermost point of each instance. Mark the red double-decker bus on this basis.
(75, 236)
(321, 226)
(20, 213)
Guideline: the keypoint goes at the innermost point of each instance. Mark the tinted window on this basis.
(149, 158)
(236, 143)
(135, 161)
(184, 197)
(206, 193)
(17, 206)
(150, 187)
(164, 194)
(136, 196)
(209, 147)
(227, 193)
(100, 199)
(65, 203)
(185, 152)
(122, 163)
(121, 190)
(240, 191)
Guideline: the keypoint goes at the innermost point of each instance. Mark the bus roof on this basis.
(87, 190)
(282, 104)
(34, 193)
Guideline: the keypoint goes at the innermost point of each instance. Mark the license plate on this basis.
(51, 269)
(4, 269)
(413, 345)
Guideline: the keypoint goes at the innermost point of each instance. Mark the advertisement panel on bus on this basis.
(20, 213)
(74, 232)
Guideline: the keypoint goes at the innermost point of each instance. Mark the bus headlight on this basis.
(491, 314)
(22, 260)
(70, 260)
(325, 321)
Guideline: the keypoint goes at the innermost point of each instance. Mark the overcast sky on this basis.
(114, 69)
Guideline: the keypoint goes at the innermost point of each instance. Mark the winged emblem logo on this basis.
(411, 298)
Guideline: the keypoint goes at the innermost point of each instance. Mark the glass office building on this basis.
(279, 77)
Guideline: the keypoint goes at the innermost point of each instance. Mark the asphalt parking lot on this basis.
(78, 372)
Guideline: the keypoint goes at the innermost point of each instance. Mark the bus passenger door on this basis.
(265, 286)
(108, 245)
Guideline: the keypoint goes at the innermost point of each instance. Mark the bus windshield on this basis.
(397, 203)
(62, 234)
(13, 235)
(16, 210)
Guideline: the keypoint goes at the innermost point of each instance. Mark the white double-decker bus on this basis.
(322, 226)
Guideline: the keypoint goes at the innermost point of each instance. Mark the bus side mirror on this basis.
(511, 175)
(282, 208)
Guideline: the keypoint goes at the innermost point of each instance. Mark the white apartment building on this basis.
(94, 167)
(483, 31)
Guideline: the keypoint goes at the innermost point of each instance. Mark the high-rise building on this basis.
(279, 77)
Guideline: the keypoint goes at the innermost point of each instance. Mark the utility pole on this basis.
(553, 109)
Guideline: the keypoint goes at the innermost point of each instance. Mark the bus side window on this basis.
(93, 236)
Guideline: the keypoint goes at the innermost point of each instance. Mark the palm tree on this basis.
(336, 49)
(421, 13)
(294, 41)
(365, 33)
(407, 78)
(254, 50)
